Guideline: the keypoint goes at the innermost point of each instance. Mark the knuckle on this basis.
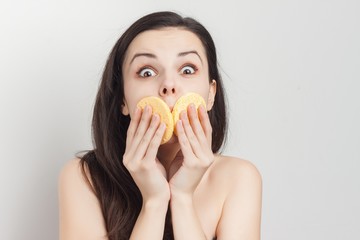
(143, 119)
(159, 134)
(125, 159)
(153, 126)
(153, 144)
(138, 133)
(130, 132)
(145, 140)
(192, 138)
(197, 130)
(144, 166)
(183, 141)
(186, 123)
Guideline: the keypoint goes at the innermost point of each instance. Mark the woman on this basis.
(131, 186)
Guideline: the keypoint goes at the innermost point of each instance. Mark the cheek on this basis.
(130, 95)
(202, 89)
(134, 91)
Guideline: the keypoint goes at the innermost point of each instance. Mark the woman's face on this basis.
(165, 63)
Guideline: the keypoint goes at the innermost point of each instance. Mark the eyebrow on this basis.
(190, 52)
(150, 55)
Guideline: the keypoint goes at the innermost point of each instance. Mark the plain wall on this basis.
(291, 71)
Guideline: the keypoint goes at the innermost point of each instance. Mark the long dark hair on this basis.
(119, 197)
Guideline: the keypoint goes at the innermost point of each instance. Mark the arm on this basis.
(194, 134)
(143, 140)
(186, 222)
(79, 210)
(241, 215)
(80, 213)
(150, 220)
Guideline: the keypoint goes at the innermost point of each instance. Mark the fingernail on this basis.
(179, 123)
(137, 109)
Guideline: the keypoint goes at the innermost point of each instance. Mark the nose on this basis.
(167, 91)
(168, 87)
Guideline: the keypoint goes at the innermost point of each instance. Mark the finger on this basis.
(183, 140)
(153, 146)
(192, 139)
(142, 127)
(196, 126)
(205, 123)
(146, 139)
(133, 126)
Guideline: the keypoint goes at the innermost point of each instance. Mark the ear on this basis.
(124, 109)
(211, 98)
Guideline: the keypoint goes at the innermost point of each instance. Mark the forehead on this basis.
(165, 41)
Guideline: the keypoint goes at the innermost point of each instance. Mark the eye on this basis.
(146, 72)
(188, 69)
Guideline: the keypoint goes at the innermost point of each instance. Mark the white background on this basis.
(291, 70)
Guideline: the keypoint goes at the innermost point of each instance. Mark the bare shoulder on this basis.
(72, 180)
(71, 169)
(241, 186)
(234, 168)
(79, 209)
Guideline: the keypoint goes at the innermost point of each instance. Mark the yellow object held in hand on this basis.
(160, 107)
(163, 110)
(183, 102)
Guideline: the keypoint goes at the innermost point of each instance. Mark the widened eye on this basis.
(189, 69)
(146, 72)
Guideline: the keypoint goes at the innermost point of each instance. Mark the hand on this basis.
(195, 135)
(143, 140)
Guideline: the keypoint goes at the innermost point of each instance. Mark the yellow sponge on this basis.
(183, 102)
(170, 118)
(160, 107)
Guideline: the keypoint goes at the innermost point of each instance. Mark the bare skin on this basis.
(210, 195)
(227, 202)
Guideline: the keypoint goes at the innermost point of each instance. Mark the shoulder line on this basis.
(235, 167)
(72, 171)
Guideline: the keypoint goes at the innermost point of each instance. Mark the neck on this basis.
(167, 153)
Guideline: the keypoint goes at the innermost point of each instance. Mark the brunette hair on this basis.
(119, 197)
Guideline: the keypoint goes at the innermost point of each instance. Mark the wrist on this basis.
(155, 204)
(180, 198)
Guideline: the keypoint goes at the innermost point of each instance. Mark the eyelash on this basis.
(181, 68)
(144, 68)
(190, 65)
